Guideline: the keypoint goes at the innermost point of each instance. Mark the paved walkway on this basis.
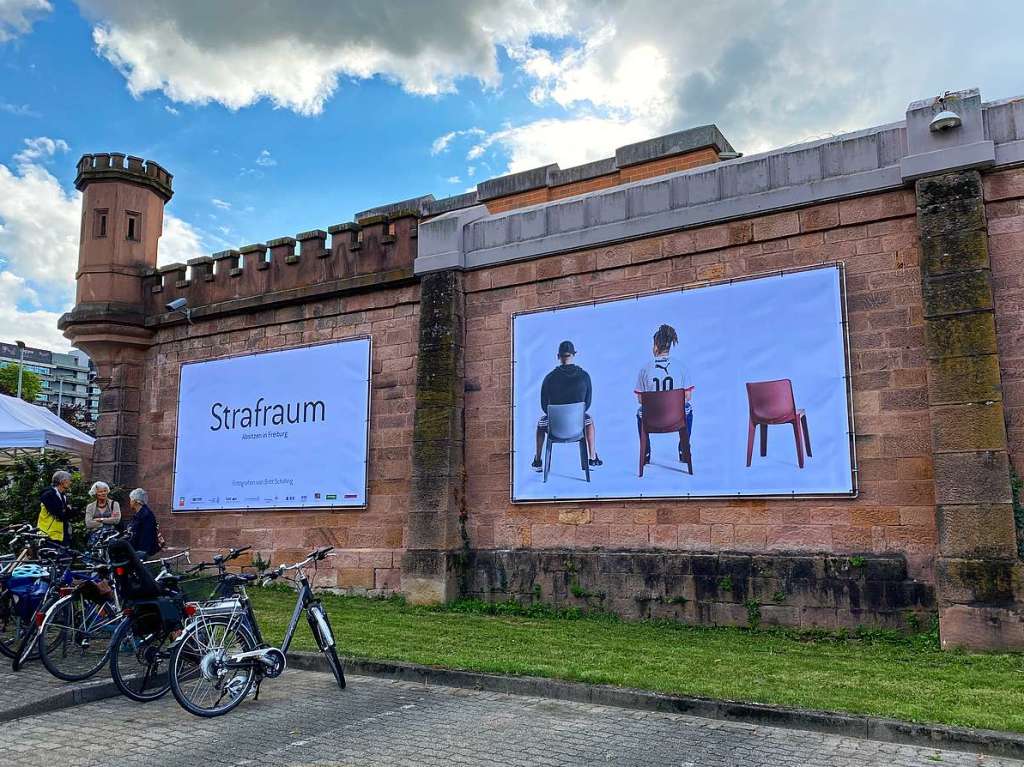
(303, 719)
(35, 689)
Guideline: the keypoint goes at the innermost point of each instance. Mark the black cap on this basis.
(566, 347)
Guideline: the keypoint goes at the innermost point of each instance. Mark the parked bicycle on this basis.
(221, 653)
(154, 611)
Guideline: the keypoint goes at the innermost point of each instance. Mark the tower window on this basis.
(99, 226)
(134, 231)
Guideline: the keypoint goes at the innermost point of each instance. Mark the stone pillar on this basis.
(435, 541)
(977, 565)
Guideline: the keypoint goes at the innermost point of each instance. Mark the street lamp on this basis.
(21, 363)
(60, 394)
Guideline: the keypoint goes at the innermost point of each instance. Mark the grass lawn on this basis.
(886, 675)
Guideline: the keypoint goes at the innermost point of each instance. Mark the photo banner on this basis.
(274, 430)
(758, 364)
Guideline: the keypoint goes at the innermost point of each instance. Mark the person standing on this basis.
(566, 384)
(54, 512)
(144, 535)
(103, 513)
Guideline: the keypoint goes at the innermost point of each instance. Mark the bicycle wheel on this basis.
(138, 663)
(324, 636)
(74, 640)
(14, 629)
(202, 681)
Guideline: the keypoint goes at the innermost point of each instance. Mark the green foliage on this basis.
(31, 383)
(536, 591)
(24, 480)
(857, 561)
(779, 597)
(578, 591)
(77, 416)
(753, 613)
(725, 584)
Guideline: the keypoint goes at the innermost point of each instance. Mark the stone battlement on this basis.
(96, 167)
(375, 245)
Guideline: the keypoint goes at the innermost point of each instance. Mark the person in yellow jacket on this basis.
(54, 511)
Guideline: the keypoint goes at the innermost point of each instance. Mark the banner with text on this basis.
(284, 429)
(735, 389)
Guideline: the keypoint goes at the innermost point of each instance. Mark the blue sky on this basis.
(279, 117)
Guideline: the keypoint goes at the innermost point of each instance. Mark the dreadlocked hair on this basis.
(665, 338)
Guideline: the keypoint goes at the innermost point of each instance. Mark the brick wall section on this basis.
(637, 172)
(370, 542)
(876, 237)
(1004, 198)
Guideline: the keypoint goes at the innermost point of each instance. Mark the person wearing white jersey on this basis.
(664, 373)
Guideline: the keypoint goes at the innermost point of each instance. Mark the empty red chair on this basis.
(771, 403)
(664, 412)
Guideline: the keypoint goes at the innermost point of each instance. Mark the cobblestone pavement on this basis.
(34, 684)
(303, 719)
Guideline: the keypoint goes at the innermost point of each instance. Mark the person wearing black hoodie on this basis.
(564, 385)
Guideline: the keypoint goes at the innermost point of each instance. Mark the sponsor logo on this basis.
(351, 495)
(181, 501)
(332, 497)
(317, 496)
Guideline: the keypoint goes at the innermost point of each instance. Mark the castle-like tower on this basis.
(123, 200)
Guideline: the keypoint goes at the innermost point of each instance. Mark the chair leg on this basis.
(764, 440)
(585, 458)
(807, 436)
(547, 460)
(751, 428)
(643, 445)
(799, 443)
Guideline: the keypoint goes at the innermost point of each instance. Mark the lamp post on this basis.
(21, 363)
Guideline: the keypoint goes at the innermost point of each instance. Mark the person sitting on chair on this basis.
(664, 373)
(566, 384)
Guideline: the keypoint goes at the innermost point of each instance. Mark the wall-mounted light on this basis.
(946, 119)
(180, 305)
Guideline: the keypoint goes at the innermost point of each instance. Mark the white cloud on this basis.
(18, 110)
(265, 159)
(453, 180)
(442, 143)
(247, 51)
(171, 110)
(180, 242)
(31, 324)
(40, 148)
(218, 203)
(17, 16)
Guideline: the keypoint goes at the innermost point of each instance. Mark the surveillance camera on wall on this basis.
(177, 305)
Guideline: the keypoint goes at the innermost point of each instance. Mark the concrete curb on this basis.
(989, 742)
(66, 698)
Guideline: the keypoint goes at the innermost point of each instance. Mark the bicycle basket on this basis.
(199, 588)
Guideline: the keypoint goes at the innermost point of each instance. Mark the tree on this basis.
(76, 415)
(31, 383)
(24, 480)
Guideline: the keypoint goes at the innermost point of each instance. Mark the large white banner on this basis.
(284, 429)
(708, 376)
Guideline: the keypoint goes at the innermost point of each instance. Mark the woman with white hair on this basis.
(143, 528)
(103, 513)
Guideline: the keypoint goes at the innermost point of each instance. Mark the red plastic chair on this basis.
(771, 403)
(664, 412)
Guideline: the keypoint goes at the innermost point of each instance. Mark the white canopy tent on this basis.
(24, 426)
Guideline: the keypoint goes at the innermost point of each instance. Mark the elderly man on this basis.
(144, 532)
(54, 512)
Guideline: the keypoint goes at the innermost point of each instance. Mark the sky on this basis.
(280, 117)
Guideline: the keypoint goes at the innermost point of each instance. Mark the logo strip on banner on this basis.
(739, 388)
(270, 430)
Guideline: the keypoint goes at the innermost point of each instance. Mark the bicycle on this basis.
(155, 611)
(221, 653)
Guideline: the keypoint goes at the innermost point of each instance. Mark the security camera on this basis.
(180, 305)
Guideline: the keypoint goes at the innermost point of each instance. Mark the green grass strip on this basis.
(878, 673)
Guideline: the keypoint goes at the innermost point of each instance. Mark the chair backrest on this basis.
(771, 400)
(664, 411)
(565, 422)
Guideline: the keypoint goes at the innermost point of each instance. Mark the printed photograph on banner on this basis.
(284, 429)
(736, 389)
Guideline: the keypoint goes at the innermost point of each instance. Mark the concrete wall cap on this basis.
(280, 241)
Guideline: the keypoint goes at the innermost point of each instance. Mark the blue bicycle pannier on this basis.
(28, 584)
